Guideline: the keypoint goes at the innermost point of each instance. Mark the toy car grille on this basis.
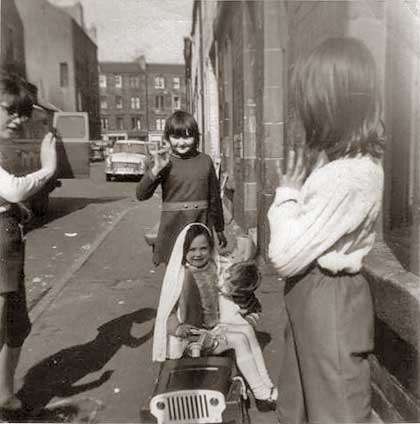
(187, 407)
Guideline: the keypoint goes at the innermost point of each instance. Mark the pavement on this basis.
(88, 335)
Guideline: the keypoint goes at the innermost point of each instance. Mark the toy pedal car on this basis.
(198, 390)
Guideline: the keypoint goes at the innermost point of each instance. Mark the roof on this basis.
(119, 67)
(165, 68)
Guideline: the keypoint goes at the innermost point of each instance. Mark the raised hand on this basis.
(160, 160)
(295, 174)
(222, 239)
(48, 153)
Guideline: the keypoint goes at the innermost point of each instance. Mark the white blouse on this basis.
(17, 189)
(330, 220)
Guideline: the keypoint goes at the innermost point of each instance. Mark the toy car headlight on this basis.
(160, 405)
(214, 401)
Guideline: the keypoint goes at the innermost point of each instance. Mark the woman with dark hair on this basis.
(190, 188)
(322, 226)
(15, 109)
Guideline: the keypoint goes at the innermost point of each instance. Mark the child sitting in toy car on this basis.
(203, 291)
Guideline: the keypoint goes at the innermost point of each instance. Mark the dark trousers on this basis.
(325, 375)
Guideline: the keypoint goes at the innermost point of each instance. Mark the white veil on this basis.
(170, 293)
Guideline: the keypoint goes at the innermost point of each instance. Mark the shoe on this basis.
(11, 404)
(267, 405)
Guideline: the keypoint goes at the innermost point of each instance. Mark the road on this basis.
(93, 293)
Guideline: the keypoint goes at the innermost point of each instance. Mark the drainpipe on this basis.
(200, 18)
(146, 79)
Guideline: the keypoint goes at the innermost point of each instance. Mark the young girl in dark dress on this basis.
(190, 188)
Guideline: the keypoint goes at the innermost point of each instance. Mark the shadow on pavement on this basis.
(57, 375)
(82, 410)
(62, 206)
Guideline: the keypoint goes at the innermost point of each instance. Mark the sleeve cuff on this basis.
(151, 176)
(283, 194)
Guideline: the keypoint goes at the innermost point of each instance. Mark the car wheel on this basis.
(108, 177)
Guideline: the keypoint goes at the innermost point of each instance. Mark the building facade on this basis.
(137, 97)
(165, 92)
(123, 96)
(61, 58)
(12, 45)
(204, 93)
(253, 45)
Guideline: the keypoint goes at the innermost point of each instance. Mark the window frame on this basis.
(102, 81)
(119, 78)
(176, 85)
(159, 82)
(119, 105)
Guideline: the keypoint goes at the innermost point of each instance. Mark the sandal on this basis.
(12, 404)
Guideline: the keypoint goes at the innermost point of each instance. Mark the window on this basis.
(64, 74)
(176, 82)
(134, 81)
(104, 102)
(71, 126)
(102, 81)
(104, 123)
(176, 102)
(118, 81)
(159, 82)
(159, 102)
(120, 123)
(135, 123)
(160, 124)
(401, 197)
(118, 102)
(135, 102)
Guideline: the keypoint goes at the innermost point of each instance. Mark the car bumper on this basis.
(124, 172)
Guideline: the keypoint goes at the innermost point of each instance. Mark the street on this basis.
(93, 293)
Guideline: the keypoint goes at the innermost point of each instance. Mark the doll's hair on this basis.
(337, 96)
(244, 277)
(194, 231)
(182, 124)
(11, 88)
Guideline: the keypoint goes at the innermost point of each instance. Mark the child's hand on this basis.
(160, 160)
(295, 174)
(185, 330)
(222, 239)
(48, 154)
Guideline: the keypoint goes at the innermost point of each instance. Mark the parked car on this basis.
(97, 152)
(127, 158)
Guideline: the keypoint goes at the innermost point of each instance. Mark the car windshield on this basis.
(130, 148)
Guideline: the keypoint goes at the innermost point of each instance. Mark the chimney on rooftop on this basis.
(142, 62)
